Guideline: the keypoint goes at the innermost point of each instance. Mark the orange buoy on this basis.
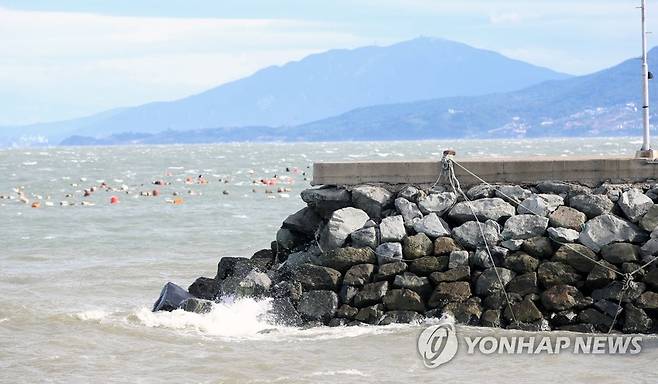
(114, 200)
(178, 201)
(36, 204)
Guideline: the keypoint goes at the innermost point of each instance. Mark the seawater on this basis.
(77, 282)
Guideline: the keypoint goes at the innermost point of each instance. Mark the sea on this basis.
(79, 275)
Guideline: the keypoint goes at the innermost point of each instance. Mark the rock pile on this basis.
(381, 254)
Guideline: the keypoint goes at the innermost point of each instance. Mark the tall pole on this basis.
(646, 142)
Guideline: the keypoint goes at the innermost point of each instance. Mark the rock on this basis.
(338, 322)
(318, 305)
(409, 211)
(488, 282)
(466, 312)
(304, 221)
(227, 266)
(562, 188)
(346, 312)
(196, 305)
(599, 320)
(392, 229)
(561, 297)
(497, 299)
(485, 209)
(428, 264)
(342, 259)
(342, 223)
(591, 205)
(371, 294)
(438, 203)
(648, 300)
(364, 237)
(449, 292)
(445, 245)
(490, 318)
(635, 204)
(388, 271)
(523, 284)
(522, 227)
(480, 258)
(346, 293)
(636, 320)
(601, 276)
(414, 247)
(512, 193)
(371, 315)
(520, 262)
(171, 298)
(432, 226)
(309, 256)
(649, 221)
(287, 289)
(613, 291)
(572, 254)
(371, 199)
(204, 288)
(608, 307)
(539, 247)
(401, 317)
(578, 328)
(283, 313)
(512, 245)
(606, 229)
(567, 217)
(358, 275)
(326, 200)
(468, 235)
(525, 311)
(554, 273)
(403, 300)
(388, 253)
(542, 204)
(618, 253)
(419, 284)
(455, 274)
(458, 259)
(288, 239)
(256, 284)
(410, 193)
(563, 235)
(313, 277)
(650, 248)
(481, 191)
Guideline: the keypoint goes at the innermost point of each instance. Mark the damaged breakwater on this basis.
(551, 255)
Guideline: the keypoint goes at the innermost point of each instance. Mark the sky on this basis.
(62, 59)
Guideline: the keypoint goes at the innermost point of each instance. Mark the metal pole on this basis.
(646, 143)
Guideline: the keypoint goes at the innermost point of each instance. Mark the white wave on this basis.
(94, 314)
(349, 372)
(4, 319)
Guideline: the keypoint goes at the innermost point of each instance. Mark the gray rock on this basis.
(401, 317)
(599, 320)
(618, 253)
(591, 205)
(388, 253)
(288, 239)
(370, 294)
(634, 204)
(520, 262)
(255, 284)
(525, 311)
(469, 236)
(648, 300)
(458, 259)
(204, 288)
(392, 229)
(600, 276)
(512, 245)
(388, 271)
(445, 245)
(485, 209)
(451, 275)
(196, 305)
(428, 264)
(303, 257)
(613, 291)
(608, 307)
(410, 193)
(576, 255)
(326, 200)
(480, 258)
(414, 247)
(523, 284)
(567, 217)
(359, 275)
(466, 312)
(606, 229)
(552, 273)
(562, 188)
(409, 211)
(481, 191)
(287, 289)
(346, 312)
(283, 313)
(364, 237)
(403, 300)
(342, 223)
(649, 221)
(539, 247)
(636, 320)
(438, 203)
(521, 227)
(512, 193)
(432, 226)
(318, 305)
(563, 235)
(346, 293)
(371, 315)
(342, 259)
(542, 204)
(650, 248)
(304, 221)
(449, 292)
(313, 277)
(651, 279)
(490, 318)
(371, 199)
(419, 284)
(561, 297)
(488, 282)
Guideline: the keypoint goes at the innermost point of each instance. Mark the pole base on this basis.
(648, 154)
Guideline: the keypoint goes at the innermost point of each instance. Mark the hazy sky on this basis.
(68, 58)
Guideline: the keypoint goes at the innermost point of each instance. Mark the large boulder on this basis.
(481, 191)
(342, 259)
(401, 317)
(601, 275)
(204, 288)
(314, 277)
(487, 257)
(388, 253)
(343, 222)
(364, 237)
(552, 273)
(581, 258)
(591, 205)
(605, 229)
(359, 275)
(512, 193)
(432, 225)
(419, 284)
(171, 298)
(373, 314)
(567, 217)
(326, 200)
(521, 262)
(445, 245)
(485, 209)
(438, 203)
(371, 199)
(403, 300)
(468, 235)
(284, 313)
(196, 305)
(523, 284)
(489, 281)
(636, 320)
(454, 274)
(389, 270)
(539, 247)
(370, 294)
(288, 239)
(318, 305)
(635, 204)
(525, 311)
(428, 264)
(449, 292)
(615, 292)
(522, 227)
(409, 211)
(256, 284)
(304, 221)
(619, 253)
(542, 204)
(414, 247)
(561, 297)
(649, 221)
(410, 193)
(563, 235)
(392, 229)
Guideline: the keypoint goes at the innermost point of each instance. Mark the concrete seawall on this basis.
(585, 170)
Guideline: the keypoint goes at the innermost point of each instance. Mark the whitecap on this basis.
(94, 314)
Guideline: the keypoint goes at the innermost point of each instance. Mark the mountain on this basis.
(317, 87)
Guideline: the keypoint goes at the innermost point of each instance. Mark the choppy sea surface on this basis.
(77, 282)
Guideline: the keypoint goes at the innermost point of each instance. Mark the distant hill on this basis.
(317, 87)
